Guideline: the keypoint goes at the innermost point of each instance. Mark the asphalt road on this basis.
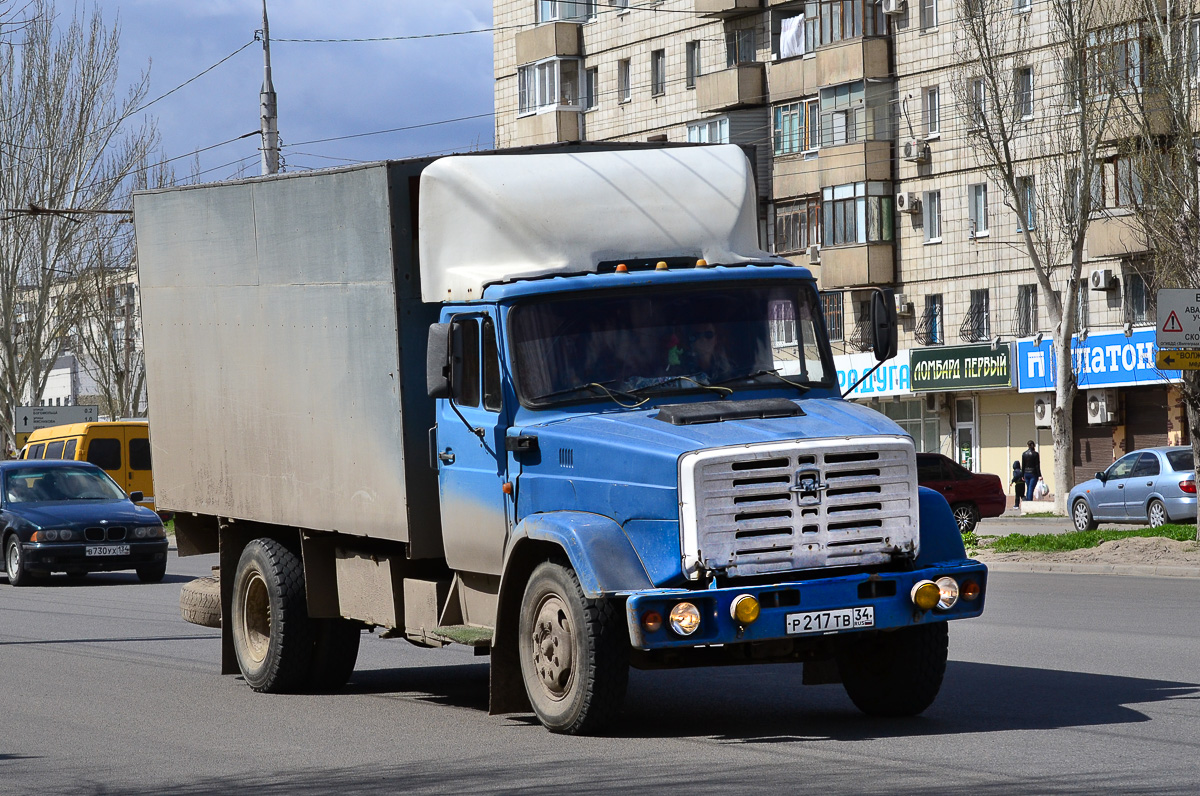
(1067, 684)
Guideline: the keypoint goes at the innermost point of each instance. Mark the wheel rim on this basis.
(256, 617)
(1081, 516)
(963, 515)
(12, 560)
(1157, 515)
(553, 647)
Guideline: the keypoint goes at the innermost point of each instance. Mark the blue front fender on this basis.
(600, 552)
(940, 538)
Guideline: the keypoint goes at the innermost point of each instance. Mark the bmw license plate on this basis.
(107, 550)
(830, 621)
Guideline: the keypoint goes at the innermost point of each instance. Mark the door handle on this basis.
(446, 457)
(1120, 486)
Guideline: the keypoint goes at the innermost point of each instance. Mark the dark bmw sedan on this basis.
(67, 516)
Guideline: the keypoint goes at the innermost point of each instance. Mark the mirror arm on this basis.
(864, 377)
(479, 432)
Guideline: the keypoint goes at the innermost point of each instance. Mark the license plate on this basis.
(107, 550)
(830, 621)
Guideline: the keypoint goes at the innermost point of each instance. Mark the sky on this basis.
(325, 90)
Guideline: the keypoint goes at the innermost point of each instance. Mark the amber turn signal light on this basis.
(969, 590)
(925, 594)
(651, 621)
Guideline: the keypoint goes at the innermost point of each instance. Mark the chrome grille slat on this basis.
(865, 514)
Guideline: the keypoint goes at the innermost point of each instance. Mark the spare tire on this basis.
(200, 602)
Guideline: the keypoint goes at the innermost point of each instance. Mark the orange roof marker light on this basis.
(702, 263)
(621, 268)
(661, 265)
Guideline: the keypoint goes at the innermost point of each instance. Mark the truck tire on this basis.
(574, 653)
(272, 634)
(896, 673)
(335, 651)
(200, 602)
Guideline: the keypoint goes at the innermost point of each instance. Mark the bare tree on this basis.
(67, 142)
(1037, 110)
(1162, 147)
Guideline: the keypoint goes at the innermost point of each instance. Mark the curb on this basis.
(1142, 570)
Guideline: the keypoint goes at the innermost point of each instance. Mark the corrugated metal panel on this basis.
(1145, 417)
(752, 126)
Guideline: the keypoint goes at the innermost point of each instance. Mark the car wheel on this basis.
(200, 602)
(152, 573)
(1081, 516)
(1156, 514)
(897, 673)
(574, 653)
(272, 634)
(967, 516)
(14, 565)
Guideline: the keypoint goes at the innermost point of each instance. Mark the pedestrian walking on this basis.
(1031, 468)
(1018, 483)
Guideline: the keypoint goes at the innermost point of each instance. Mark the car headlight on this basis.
(684, 619)
(68, 535)
(149, 532)
(947, 593)
(44, 536)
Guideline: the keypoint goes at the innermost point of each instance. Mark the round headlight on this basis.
(148, 532)
(684, 619)
(50, 536)
(947, 593)
(925, 594)
(66, 536)
(744, 609)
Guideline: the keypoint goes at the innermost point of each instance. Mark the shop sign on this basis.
(891, 378)
(968, 367)
(1103, 360)
(1183, 360)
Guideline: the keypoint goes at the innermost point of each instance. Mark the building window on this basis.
(932, 108)
(1023, 85)
(553, 83)
(1193, 51)
(977, 325)
(791, 37)
(740, 47)
(591, 88)
(917, 421)
(713, 131)
(978, 209)
(623, 89)
(831, 304)
(658, 73)
(812, 25)
(1120, 185)
(1027, 203)
(693, 63)
(1026, 321)
(929, 328)
(928, 14)
(797, 225)
(978, 103)
(848, 19)
(1137, 298)
(796, 127)
(931, 213)
(856, 112)
(565, 10)
(1114, 58)
(860, 212)
(1022, 5)
(1082, 302)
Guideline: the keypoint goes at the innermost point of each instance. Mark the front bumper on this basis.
(60, 557)
(887, 592)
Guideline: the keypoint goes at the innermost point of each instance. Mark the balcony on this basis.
(549, 128)
(736, 87)
(1115, 236)
(727, 9)
(856, 162)
(549, 40)
(795, 77)
(859, 265)
(796, 176)
(853, 59)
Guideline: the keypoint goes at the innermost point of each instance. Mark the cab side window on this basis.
(36, 451)
(105, 453)
(54, 450)
(69, 451)
(1146, 466)
(139, 454)
(468, 390)
(1123, 466)
(492, 400)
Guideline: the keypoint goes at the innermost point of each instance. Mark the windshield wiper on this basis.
(722, 391)
(767, 372)
(594, 386)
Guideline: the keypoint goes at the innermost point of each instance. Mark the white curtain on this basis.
(791, 37)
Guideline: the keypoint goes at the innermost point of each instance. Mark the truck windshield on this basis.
(673, 340)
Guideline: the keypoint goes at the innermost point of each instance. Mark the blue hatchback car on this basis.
(67, 516)
(1153, 486)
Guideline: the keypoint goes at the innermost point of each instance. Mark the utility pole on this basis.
(267, 107)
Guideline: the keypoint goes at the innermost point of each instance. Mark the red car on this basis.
(970, 495)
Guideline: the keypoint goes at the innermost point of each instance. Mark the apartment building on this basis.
(859, 121)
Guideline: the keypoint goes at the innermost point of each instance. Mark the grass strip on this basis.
(1080, 540)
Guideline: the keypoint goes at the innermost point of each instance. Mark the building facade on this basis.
(852, 112)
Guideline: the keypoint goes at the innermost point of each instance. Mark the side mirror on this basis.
(136, 497)
(883, 324)
(443, 362)
(1102, 478)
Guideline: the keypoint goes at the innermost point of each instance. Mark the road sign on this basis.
(1178, 318)
(31, 418)
(1177, 360)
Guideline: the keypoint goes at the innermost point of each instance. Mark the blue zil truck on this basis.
(557, 405)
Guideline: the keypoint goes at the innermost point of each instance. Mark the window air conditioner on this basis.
(814, 254)
(1102, 279)
(1101, 407)
(915, 151)
(903, 305)
(908, 202)
(1042, 406)
(895, 6)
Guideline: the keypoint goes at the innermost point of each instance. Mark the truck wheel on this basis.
(335, 651)
(897, 673)
(967, 516)
(152, 573)
(14, 565)
(200, 602)
(272, 635)
(574, 653)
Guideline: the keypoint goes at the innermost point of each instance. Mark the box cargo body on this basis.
(277, 318)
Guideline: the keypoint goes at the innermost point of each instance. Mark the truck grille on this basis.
(759, 509)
